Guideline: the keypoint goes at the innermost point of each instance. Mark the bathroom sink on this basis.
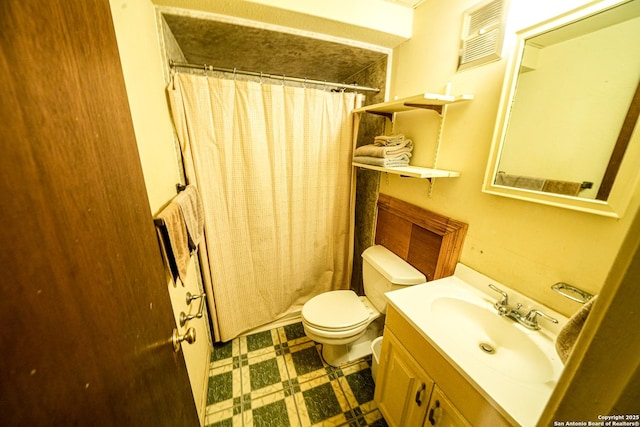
(515, 366)
(471, 329)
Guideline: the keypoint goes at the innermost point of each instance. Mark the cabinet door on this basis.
(403, 389)
(442, 413)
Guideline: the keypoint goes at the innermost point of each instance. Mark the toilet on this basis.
(345, 323)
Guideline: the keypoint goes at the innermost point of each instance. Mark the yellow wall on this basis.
(525, 245)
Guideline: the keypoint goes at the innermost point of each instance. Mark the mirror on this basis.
(566, 130)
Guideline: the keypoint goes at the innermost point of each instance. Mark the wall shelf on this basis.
(429, 101)
(411, 171)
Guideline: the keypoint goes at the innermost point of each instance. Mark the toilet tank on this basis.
(384, 271)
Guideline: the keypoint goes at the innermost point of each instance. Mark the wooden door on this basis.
(84, 309)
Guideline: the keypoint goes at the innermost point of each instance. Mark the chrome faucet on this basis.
(529, 320)
(501, 305)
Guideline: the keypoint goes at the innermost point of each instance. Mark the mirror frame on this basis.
(629, 173)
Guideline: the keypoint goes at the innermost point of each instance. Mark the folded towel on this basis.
(401, 160)
(177, 246)
(388, 140)
(373, 150)
(567, 188)
(519, 181)
(193, 213)
(570, 332)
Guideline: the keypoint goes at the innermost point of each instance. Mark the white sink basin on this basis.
(515, 366)
(466, 327)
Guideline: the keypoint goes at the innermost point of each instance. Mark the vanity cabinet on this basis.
(418, 386)
(406, 395)
(404, 388)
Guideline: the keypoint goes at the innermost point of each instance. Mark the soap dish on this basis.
(571, 292)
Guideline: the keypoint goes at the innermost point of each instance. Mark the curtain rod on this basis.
(206, 67)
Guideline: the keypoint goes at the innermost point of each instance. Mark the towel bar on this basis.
(159, 222)
(184, 318)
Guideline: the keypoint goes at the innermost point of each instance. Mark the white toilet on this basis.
(346, 324)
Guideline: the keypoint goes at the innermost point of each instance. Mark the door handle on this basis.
(176, 338)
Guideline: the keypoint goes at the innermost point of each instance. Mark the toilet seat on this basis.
(336, 312)
(346, 335)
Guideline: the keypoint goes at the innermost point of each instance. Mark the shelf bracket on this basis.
(432, 181)
(443, 112)
(381, 113)
(436, 108)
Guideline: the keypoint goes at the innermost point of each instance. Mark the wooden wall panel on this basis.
(424, 251)
(430, 242)
(393, 233)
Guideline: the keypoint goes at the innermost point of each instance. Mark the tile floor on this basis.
(278, 378)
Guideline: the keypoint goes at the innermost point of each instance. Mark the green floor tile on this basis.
(294, 331)
(321, 403)
(220, 388)
(272, 415)
(307, 360)
(223, 423)
(259, 340)
(362, 385)
(222, 351)
(264, 374)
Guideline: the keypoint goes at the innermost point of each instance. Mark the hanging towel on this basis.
(567, 188)
(193, 213)
(570, 332)
(373, 150)
(401, 160)
(519, 181)
(177, 246)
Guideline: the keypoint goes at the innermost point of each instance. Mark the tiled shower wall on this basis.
(367, 180)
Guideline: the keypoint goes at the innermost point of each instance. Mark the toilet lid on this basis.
(335, 310)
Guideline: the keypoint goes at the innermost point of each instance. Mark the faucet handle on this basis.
(531, 319)
(500, 305)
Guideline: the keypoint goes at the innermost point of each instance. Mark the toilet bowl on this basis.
(345, 323)
(337, 317)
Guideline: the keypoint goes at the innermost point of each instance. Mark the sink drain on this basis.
(487, 348)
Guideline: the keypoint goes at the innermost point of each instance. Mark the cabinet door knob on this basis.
(434, 413)
(419, 392)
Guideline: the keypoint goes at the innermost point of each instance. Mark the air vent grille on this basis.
(482, 34)
(487, 16)
(480, 47)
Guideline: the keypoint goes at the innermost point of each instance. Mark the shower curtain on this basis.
(273, 166)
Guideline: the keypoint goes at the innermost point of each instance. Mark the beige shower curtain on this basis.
(273, 165)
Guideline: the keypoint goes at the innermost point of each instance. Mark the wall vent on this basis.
(482, 34)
